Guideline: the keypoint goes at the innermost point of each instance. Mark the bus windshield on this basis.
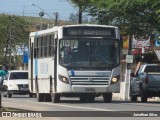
(90, 53)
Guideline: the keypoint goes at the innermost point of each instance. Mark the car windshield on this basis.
(18, 75)
(152, 69)
(90, 53)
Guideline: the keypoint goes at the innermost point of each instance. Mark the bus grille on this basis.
(89, 80)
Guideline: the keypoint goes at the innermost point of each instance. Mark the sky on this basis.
(23, 7)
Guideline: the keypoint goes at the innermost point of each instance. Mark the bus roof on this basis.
(55, 28)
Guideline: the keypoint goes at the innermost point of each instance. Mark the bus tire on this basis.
(48, 98)
(40, 97)
(91, 98)
(83, 99)
(107, 97)
(56, 98)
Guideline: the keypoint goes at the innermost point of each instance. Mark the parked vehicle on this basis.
(17, 82)
(146, 82)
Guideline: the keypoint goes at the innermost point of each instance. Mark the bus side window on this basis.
(52, 45)
(36, 49)
(48, 44)
(44, 47)
(42, 43)
(39, 47)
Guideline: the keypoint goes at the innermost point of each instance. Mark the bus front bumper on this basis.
(113, 88)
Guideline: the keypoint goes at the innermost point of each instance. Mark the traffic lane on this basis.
(84, 118)
(108, 118)
(33, 105)
(73, 104)
(117, 105)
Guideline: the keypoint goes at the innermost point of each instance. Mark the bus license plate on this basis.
(89, 89)
(24, 89)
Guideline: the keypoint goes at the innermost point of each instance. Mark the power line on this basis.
(62, 0)
(69, 3)
(72, 5)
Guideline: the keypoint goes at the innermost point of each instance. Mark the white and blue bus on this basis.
(75, 61)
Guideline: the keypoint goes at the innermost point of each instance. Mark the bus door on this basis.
(31, 60)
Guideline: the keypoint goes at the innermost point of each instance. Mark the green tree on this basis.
(73, 18)
(14, 33)
(131, 16)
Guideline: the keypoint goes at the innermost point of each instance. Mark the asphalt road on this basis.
(70, 108)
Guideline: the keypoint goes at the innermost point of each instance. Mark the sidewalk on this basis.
(118, 96)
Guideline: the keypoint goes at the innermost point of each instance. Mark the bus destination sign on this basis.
(89, 32)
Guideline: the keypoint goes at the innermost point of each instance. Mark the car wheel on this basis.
(143, 96)
(9, 95)
(4, 95)
(31, 95)
(133, 97)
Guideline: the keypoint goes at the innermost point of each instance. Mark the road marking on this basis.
(70, 106)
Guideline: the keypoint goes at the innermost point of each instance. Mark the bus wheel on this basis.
(91, 99)
(107, 97)
(48, 98)
(83, 99)
(40, 97)
(56, 98)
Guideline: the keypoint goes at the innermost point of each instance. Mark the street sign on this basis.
(25, 57)
(129, 58)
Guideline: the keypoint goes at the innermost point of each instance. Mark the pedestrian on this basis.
(3, 74)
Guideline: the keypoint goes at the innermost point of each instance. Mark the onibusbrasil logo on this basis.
(22, 114)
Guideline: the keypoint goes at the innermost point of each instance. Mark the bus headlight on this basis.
(115, 79)
(63, 79)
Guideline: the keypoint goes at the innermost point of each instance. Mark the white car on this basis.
(17, 82)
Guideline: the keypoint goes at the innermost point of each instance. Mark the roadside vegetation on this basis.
(136, 17)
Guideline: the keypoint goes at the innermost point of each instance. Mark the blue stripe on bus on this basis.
(72, 72)
(36, 67)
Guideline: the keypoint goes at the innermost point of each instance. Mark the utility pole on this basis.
(80, 14)
(129, 60)
(10, 45)
(23, 10)
(56, 18)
